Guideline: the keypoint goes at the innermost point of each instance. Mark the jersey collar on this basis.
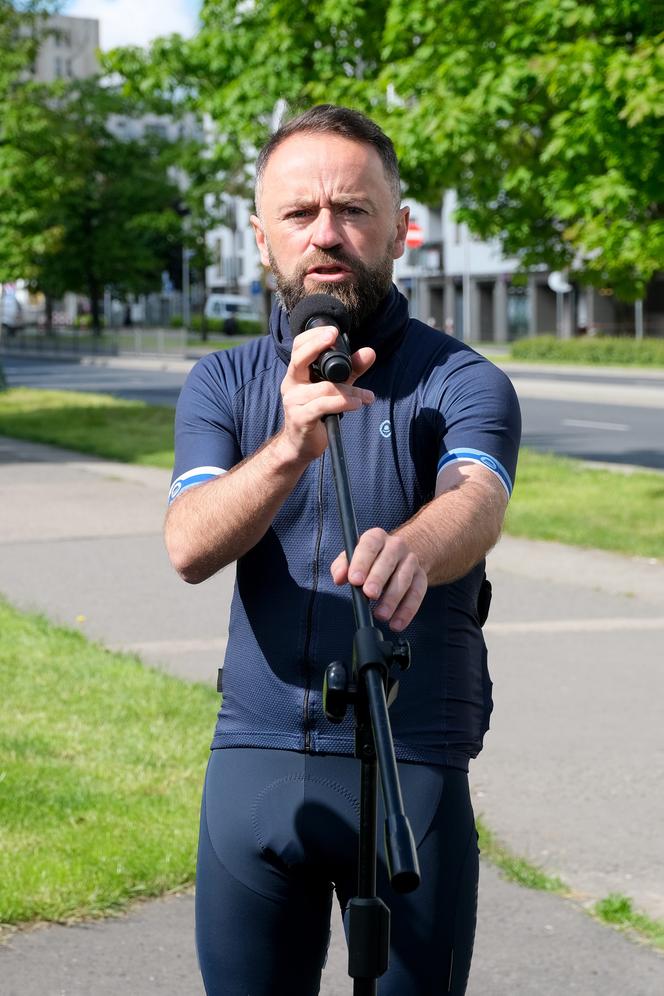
(383, 330)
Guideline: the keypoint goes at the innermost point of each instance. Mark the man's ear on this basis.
(261, 241)
(403, 217)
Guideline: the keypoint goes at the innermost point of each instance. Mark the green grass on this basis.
(555, 498)
(617, 910)
(565, 500)
(516, 869)
(129, 431)
(605, 350)
(101, 766)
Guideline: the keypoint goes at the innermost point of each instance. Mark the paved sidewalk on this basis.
(571, 776)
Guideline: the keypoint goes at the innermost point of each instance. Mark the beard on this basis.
(360, 295)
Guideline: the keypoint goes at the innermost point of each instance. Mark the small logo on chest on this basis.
(385, 429)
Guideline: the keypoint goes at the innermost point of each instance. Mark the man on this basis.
(431, 432)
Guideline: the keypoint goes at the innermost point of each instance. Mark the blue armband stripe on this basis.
(478, 456)
(196, 476)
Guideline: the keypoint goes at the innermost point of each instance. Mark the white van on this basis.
(11, 313)
(223, 306)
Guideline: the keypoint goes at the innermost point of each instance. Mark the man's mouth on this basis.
(330, 271)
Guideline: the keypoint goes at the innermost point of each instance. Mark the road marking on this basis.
(581, 423)
(574, 626)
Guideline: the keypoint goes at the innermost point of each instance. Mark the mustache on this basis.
(326, 258)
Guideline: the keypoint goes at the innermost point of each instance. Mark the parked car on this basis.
(225, 306)
(11, 313)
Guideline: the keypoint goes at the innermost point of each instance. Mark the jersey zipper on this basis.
(310, 608)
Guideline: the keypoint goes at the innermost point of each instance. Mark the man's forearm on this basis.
(456, 529)
(213, 524)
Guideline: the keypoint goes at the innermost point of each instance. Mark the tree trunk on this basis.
(49, 314)
(95, 313)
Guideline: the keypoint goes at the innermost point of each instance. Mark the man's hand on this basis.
(388, 572)
(306, 403)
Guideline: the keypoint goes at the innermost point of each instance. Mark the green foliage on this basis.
(624, 351)
(618, 911)
(515, 869)
(81, 206)
(245, 326)
(546, 118)
(102, 763)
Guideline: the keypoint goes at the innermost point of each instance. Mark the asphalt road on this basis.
(556, 416)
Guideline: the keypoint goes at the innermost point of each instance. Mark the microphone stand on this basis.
(370, 689)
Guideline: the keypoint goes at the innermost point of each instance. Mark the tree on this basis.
(546, 118)
(80, 207)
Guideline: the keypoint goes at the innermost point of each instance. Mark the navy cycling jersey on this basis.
(437, 401)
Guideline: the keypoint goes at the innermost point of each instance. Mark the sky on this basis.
(136, 22)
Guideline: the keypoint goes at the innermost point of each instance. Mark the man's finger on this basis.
(339, 569)
(403, 595)
(370, 546)
(308, 346)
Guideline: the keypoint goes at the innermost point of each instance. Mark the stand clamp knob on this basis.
(335, 691)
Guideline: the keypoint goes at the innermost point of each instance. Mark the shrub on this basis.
(215, 326)
(85, 321)
(594, 349)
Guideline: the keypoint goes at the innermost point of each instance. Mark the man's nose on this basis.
(326, 233)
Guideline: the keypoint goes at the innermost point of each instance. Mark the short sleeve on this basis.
(206, 443)
(481, 419)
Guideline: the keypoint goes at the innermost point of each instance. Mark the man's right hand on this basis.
(305, 403)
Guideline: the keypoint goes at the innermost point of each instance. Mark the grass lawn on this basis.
(554, 498)
(129, 431)
(568, 501)
(101, 766)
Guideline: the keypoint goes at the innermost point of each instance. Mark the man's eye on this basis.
(352, 211)
(300, 213)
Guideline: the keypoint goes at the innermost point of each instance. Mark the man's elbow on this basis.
(184, 559)
(187, 568)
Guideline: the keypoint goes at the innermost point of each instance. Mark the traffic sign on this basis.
(414, 235)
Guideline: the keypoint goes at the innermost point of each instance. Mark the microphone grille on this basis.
(319, 306)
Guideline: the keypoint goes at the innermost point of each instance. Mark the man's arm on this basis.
(441, 543)
(212, 524)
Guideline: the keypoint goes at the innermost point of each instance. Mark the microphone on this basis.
(311, 312)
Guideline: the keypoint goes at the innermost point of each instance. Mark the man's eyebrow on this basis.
(341, 200)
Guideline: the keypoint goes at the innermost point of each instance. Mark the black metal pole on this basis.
(369, 917)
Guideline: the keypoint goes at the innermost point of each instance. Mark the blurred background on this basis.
(529, 136)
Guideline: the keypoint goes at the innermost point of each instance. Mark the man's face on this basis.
(328, 222)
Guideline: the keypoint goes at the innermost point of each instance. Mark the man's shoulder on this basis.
(235, 367)
(439, 351)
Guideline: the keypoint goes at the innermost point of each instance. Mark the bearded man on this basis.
(431, 433)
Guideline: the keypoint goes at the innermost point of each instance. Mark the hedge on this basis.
(245, 326)
(607, 350)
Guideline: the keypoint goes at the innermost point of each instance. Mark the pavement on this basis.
(570, 777)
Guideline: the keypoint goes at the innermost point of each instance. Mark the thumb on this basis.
(362, 360)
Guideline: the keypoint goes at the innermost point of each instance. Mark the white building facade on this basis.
(69, 49)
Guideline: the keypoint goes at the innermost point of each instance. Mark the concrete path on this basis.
(571, 775)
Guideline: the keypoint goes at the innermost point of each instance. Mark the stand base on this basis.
(369, 938)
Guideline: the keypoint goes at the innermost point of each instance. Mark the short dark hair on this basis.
(334, 120)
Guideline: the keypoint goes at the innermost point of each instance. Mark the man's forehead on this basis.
(301, 162)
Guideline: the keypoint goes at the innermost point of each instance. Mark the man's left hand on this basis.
(388, 572)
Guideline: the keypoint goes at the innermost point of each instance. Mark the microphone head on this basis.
(319, 306)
